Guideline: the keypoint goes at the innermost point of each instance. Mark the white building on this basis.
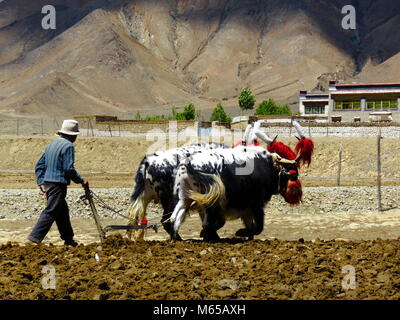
(352, 102)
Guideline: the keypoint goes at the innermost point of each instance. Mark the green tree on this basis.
(219, 114)
(285, 109)
(246, 99)
(269, 106)
(188, 113)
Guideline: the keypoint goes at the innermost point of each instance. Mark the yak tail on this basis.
(137, 210)
(215, 192)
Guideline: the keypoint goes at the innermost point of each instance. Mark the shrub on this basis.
(268, 107)
(188, 113)
(219, 114)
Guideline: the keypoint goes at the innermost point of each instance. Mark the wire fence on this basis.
(29, 127)
(93, 128)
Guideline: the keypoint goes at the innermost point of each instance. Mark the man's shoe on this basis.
(71, 243)
(33, 241)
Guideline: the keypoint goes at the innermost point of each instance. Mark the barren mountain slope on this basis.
(118, 57)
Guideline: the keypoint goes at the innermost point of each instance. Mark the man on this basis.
(54, 171)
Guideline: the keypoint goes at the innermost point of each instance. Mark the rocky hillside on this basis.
(120, 57)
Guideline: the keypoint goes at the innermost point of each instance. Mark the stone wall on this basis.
(337, 130)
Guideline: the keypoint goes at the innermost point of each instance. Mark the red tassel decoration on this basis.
(283, 150)
(305, 147)
(294, 192)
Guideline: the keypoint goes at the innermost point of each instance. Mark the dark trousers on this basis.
(56, 210)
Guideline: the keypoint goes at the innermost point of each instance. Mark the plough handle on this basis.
(89, 197)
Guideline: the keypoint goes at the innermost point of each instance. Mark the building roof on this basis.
(367, 85)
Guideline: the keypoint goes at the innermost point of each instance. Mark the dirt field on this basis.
(270, 269)
(305, 263)
(299, 255)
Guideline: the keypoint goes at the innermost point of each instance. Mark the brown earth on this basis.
(270, 269)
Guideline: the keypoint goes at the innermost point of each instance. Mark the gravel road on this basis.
(326, 213)
(27, 204)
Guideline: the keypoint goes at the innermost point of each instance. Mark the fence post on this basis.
(379, 167)
(339, 167)
(91, 127)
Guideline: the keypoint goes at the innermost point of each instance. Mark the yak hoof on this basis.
(242, 233)
(176, 237)
(210, 236)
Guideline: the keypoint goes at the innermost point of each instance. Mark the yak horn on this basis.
(299, 129)
(264, 137)
(247, 133)
(256, 128)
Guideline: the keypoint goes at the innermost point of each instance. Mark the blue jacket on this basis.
(57, 163)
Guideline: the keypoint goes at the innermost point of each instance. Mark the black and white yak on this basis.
(154, 181)
(230, 184)
(156, 175)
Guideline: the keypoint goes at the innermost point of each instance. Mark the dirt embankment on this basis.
(112, 162)
(270, 269)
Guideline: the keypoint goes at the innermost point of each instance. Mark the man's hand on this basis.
(42, 190)
(85, 183)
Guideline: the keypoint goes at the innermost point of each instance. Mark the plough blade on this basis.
(129, 227)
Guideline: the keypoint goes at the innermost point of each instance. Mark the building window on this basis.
(382, 104)
(348, 105)
(314, 109)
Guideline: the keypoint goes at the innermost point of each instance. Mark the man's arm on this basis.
(40, 170)
(68, 163)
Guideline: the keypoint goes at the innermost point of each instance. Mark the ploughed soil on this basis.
(191, 269)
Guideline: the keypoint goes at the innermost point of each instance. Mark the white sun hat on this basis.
(69, 127)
